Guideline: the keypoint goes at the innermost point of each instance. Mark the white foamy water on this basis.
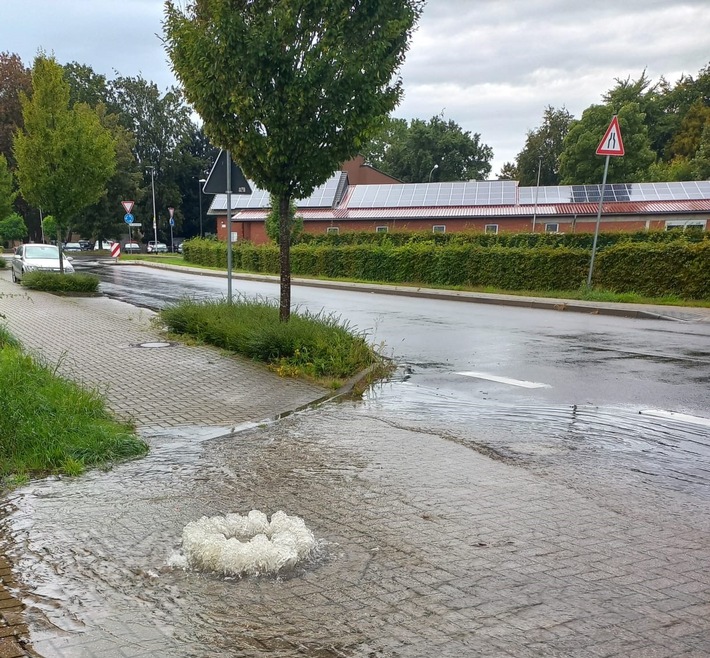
(238, 545)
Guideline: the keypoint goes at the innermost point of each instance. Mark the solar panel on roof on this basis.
(472, 193)
(616, 192)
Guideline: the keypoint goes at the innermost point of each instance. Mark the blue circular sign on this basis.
(128, 218)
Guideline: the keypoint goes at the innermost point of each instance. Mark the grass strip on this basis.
(314, 346)
(52, 425)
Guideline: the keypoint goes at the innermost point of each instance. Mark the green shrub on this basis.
(56, 282)
(314, 345)
(3, 262)
(680, 268)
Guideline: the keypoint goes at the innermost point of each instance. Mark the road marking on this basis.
(684, 418)
(504, 380)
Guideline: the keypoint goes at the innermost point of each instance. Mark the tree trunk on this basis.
(59, 248)
(285, 257)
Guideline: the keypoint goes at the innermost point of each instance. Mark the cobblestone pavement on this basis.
(430, 547)
(94, 340)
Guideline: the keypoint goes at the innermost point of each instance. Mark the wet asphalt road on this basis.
(569, 358)
(569, 390)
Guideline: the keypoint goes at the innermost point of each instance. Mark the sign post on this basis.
(223, 176)
(611, 144)
(172, 224)
(128, 217)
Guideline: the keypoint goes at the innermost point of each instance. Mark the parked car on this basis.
(179, 248)
(85, 245)
(132, 248)
(105, 245)
(157, 247)
(37, 258)
(71, 246)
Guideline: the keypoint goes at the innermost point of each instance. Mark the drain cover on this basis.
(152, 345)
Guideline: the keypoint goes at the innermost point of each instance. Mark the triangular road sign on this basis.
(612, 143)
(127, 206)
(217, 180)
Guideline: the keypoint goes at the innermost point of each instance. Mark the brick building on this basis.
(361, 198)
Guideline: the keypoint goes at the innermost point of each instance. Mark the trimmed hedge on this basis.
(530, 240)
(679, 268)
(654, 267)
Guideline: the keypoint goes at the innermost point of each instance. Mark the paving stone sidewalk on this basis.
(96, 340)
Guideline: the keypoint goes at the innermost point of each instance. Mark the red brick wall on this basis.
(255, 231)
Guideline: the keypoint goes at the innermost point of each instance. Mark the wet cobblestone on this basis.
(430, 548)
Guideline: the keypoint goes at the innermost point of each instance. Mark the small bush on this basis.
(56, 282)
(3, 262)
(311, 345)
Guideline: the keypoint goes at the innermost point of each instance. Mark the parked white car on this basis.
(37, 258)
(157, 247)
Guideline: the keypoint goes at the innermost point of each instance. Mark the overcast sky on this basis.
(490, 65)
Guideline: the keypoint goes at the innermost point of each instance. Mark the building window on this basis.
(552, 228)
(235, 236)
(381, 229)
(491, 228)
(438, 228)
(682, 224)
(332, 230)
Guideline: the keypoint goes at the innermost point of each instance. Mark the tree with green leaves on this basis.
(13, 227)
(162, 128)
(15, 77)
(509, 171)
(273, 219)
(64, 155)
(7, 189)
(543, 147)
(579, 163)
(438, 148)
(291, 89)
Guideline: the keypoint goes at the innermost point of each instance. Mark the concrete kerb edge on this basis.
(384, 289)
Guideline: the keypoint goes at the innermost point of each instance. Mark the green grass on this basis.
(52, 425)
(65, 283)
(168, 259)
(315, 346)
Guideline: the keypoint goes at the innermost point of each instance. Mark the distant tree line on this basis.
(665, 128)
(150, 131)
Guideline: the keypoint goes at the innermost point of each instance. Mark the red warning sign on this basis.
(612, 143)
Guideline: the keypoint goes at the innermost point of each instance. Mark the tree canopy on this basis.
(292, 90)
(578, 167)
(64, 155)
(543, 147)
(441, 148)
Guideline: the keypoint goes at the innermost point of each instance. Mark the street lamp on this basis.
(155, 221)
(202, 181)
(436, 166)
(537, 191)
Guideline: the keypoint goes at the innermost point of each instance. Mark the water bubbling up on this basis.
(235, 545)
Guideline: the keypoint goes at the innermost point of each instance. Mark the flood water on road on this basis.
(94, 552)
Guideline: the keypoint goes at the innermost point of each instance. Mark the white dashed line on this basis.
(504, 380)
(684, 418)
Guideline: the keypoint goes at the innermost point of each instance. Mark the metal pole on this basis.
(537, 191)
(200, 183)
(155, 221)
(229, 228)
(596, 228)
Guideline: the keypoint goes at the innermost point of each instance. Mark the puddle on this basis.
(666, 445)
